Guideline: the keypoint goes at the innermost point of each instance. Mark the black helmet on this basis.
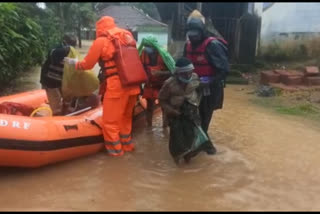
(196, 25)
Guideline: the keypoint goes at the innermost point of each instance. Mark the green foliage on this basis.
(298, 110)
(29, 32)
(284, 106)
(21, 42)
(278, 91)
(72, 16)
(49, 23)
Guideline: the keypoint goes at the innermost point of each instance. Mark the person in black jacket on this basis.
(210, 59)
(52, 73)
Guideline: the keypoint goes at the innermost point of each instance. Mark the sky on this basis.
(41, 5)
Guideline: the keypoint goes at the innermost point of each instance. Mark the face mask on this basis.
(185, 80)
(195, 37)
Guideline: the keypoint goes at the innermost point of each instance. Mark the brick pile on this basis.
(310, 77)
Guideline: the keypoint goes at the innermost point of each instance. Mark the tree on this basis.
(60, 10)
(73, 16)
(84, 17)
(22, 42)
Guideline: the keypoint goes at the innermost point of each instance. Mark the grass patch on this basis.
(236, 80)
(282, 106)
(304, 109)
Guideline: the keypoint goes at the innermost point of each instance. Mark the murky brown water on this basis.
(265, 162)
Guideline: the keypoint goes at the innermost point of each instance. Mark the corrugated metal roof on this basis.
(130, 17)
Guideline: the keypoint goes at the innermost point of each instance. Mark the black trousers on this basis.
(207, 106)
(210, 103)
(206, 111)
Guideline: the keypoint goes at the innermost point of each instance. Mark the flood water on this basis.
(264, 162)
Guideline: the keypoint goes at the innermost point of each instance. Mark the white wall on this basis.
(289, 18)
(251, 7)
(162, 37)
(255, 8)
(258, 8)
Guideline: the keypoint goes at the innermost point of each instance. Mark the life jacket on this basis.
(55, 70)
(152, 67)
(126, 59)
(13, 108)
(199, 59)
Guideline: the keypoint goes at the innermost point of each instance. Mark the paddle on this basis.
(79, 111)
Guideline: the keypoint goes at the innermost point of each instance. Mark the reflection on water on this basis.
(26, 81)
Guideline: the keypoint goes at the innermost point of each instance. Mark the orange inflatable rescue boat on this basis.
(27, 141)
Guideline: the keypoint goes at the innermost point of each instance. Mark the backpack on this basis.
(127, 59)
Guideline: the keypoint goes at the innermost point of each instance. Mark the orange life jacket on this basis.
(154, 80)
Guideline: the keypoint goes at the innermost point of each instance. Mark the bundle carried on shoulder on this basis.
(165, 55)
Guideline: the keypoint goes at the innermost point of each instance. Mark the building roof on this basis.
(130, 17)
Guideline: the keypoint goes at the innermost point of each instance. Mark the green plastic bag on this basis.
(78, 83)
(165, 55)
(201, 137)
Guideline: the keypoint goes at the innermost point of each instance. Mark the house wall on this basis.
(286, 21)
(162, 37)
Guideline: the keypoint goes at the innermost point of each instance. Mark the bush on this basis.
(22, 44)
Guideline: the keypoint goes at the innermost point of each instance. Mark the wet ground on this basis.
(265, 161)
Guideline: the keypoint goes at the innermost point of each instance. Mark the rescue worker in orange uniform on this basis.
(118, 102)
(157, 73)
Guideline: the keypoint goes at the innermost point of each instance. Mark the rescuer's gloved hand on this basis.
(70, 61)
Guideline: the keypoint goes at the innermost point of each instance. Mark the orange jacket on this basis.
(156, 75)
(103, 48)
